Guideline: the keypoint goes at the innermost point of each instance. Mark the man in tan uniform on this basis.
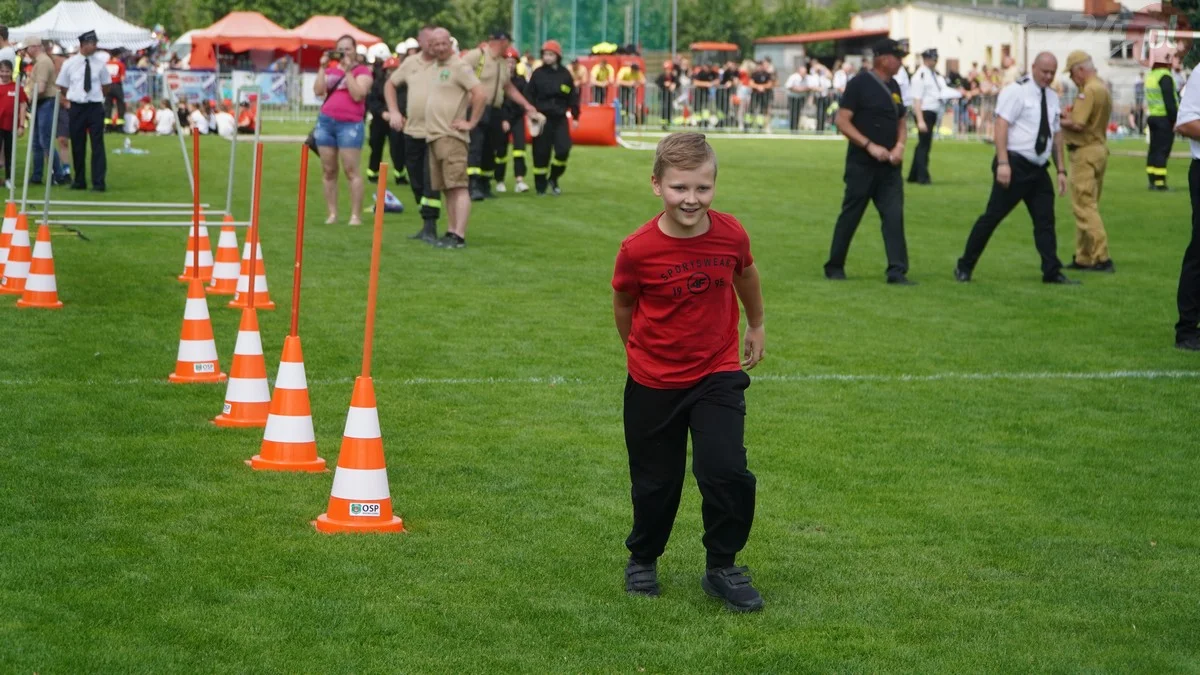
(1085, 130)
(43, 75)
(487, 139)
(405, 95)
(452, 87)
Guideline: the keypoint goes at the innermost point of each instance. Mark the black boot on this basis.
(485, 186)
(474, 189)
(428, 232)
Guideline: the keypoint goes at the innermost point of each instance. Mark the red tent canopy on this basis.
(240, 32)
(324, 31)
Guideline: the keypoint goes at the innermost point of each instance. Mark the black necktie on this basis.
(87, 83)
(1043, 128)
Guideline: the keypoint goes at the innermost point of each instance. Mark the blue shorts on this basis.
(331, 133)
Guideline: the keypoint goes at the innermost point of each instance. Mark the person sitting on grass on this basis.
(676, 287)
(197, 119)
(145, 116)
(164, 119)
(245, 118)
(224, 123)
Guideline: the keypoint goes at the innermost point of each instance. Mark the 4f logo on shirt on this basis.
(566, 88)
(444, 76)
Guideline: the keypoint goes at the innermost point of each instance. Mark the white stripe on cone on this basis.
(10, 224)
(242, 390)
(226, 270)
(260, 284)
(289, 429)
(16, 270)
(362, 423)
(196, 309)
(246, 252)
(41, 249)
(206, 258)
(195, 351)
(360, 484)
(43, 283)
(249, 343)
(20, 238)
(291, 376)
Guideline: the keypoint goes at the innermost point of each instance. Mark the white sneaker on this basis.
(522, 186)
(500, 189)
(8, 185)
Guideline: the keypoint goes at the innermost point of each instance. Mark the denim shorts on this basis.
(335, 134)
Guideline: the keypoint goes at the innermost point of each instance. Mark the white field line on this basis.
(765, 377)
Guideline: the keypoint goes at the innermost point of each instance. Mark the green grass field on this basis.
(998, 476)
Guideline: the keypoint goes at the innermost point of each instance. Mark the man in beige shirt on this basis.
(405, 95)
(1008, 71)
(43, 75)
(488, 139)
(1085, 131)
(452, 87)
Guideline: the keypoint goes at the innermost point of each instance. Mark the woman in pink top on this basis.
(344, 83)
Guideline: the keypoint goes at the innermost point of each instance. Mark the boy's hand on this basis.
(753, 352)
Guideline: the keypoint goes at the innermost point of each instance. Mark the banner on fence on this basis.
(137, 85)
(307, 80)
(192, 85)
(274, 85)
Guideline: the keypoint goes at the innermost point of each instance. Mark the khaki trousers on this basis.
(1088, 164)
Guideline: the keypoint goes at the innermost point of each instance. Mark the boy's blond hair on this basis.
(683, 150)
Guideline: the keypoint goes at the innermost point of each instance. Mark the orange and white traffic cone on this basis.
(241, 298)
(6, 232)
(288, 441)
(197, 360)
(16, 268)
(41, 288)
(360, 500)
(227, 267)
(206, 256)
(248, 397)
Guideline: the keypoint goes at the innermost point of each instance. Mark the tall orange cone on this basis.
(197, 360)
(248, 397)
(262, 299)
(227, 267)
(41, 288)
(360, 500)
(206, 257)
(16, 268)
(6, 232)
(288, 441)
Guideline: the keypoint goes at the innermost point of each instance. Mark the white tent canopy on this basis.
(66, 21)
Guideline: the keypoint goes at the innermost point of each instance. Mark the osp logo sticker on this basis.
(360, 510)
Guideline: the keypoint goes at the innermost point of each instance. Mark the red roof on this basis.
(324, 31)
(240, 32)
(821, 36)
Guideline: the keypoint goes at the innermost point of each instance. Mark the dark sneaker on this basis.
(485, 186)
(901, 281)
(77, 186)
(641, 579)
(1192, 345)
(1060, 279)
(961, 276)
(62, 181)
(732, 584)
(554, 189)
(1106, 266)
(1076, 266)
(451, 240)
(372, 176)
(835, 274)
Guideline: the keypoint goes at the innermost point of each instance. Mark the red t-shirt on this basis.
(685, 322)
(7, 102)
(116, 68)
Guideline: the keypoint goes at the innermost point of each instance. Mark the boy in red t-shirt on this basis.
(8, 99)
(677, 314)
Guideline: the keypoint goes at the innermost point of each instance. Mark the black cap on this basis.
(929, 54)
(89, 36)
(500, 35)
(889, 46)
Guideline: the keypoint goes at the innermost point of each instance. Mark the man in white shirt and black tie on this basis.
(84, 81)
(927, 98)
(1187, 330)
(1027, 134)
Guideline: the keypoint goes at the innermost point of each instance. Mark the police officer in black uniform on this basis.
(872, 118)
(552, 92)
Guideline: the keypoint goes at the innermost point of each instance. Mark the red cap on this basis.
(552, 46)
(512, 53)
(392, 62)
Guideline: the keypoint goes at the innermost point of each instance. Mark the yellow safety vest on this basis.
(1155, 106)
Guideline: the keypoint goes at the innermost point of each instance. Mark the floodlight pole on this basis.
(674, 28)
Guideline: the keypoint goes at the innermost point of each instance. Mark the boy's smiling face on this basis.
(686, 193)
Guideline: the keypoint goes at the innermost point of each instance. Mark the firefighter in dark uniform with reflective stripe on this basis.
(552, 91)
(1162, 108)
(513, 115)
(487, 139)
(380, 130)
